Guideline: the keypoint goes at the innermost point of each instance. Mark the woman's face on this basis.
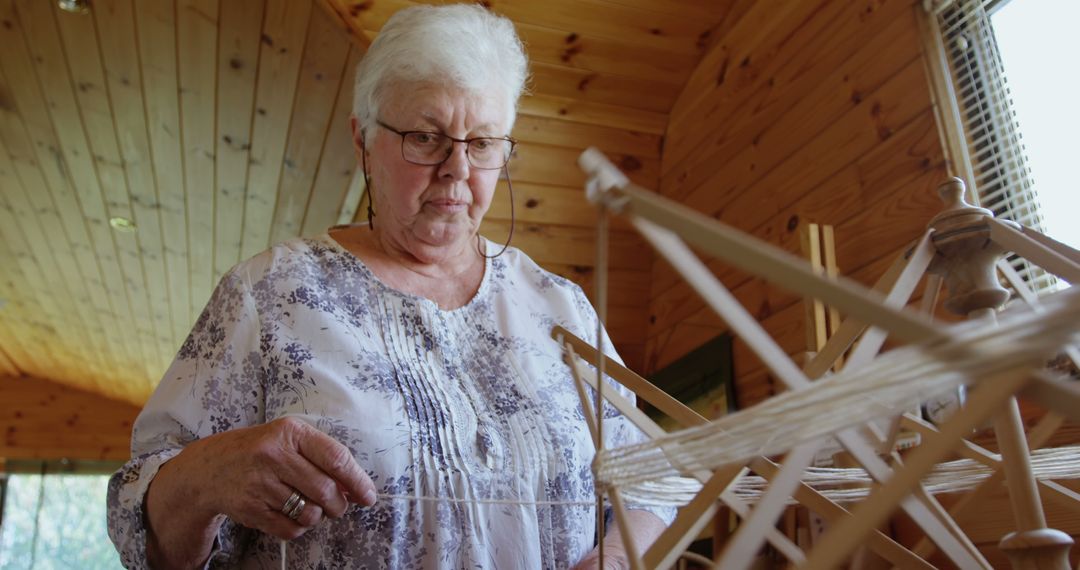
(431, 211)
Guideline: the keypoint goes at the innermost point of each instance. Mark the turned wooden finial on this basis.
(952, 193)
(1039, 549)
(966, 255)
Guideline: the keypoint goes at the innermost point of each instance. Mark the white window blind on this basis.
(999, 174)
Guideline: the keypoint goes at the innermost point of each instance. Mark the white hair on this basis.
(460, 44)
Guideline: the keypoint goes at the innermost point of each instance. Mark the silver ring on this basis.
(293, 506)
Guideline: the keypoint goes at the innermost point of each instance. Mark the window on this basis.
(52, 515)
(1010, 111)
(1032, 35)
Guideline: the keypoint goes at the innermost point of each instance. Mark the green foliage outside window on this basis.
(55, 521)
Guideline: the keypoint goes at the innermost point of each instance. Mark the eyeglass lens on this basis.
(434, 148)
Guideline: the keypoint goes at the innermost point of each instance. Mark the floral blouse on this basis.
(473, 407)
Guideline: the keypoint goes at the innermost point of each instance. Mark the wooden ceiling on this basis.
(218, 127)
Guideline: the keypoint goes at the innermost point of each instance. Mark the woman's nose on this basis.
(456, 166)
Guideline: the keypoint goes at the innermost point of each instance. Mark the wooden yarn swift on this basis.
(958, 234)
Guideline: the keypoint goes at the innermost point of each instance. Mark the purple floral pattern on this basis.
(468, 404)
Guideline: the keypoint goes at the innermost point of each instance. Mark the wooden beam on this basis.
(45, 420)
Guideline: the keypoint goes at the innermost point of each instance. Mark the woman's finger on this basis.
(311, 482)
(280, 526)
(307, 514)
(337, 461)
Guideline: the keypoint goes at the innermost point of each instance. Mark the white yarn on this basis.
(426, 499)
(896, 381)
(852, 484)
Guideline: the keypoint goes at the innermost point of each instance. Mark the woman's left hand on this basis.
(645, 527)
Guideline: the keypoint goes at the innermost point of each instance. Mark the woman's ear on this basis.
(357, 135)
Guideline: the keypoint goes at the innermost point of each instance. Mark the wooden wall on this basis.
(816, 111)
(45, 420)
(555, 225)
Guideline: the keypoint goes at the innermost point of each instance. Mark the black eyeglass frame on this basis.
(468, 143)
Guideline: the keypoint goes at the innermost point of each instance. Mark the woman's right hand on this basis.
(247, 475)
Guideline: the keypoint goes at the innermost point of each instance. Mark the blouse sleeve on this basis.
(214, 384)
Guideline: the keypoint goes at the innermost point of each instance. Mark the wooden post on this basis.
(816, 326)
(967, 260)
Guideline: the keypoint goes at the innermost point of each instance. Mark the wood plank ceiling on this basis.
(218, 127)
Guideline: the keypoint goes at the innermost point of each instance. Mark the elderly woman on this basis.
(385, 395)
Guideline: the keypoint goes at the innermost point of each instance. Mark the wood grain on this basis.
(44, 420)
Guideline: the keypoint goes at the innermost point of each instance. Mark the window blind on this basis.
(1002, 179)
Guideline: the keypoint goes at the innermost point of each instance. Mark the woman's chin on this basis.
(443, 234)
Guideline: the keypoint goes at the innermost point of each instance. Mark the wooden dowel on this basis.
(906, 283)
(773, 264)
(832, 513)
(746, 252)
(1061, 495)
(816, 326)
(839, 541)
(966, 449)
(650, 428)
(1050, 243)
(690, 520)
(850, 329)
(628, 409)
(1034, 251)
(644, 389)
(928, 515)
(1032, 300)
(923, 508)
(930, 294)
(832, 271)
(625, 530)
(1016, 458)
(722, 301)
(1036, 437)
(1061, 396)
(750, 536)
(1023, 493)
(586, 410)
(780, 541)
(1018, 283)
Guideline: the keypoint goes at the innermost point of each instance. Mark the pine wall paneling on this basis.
(155, 27)
(49, 245)
(7, 366)
(117, 46)
(826, 118)
(196, 39)
(88, 77)
(284, 31)
(322, 69)
(44, 420)
(338, 163)
(23, 313)
(237, 70)
(180, 117)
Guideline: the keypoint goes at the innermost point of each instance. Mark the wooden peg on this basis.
(966, 254)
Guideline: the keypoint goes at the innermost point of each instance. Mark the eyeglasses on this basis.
(428, 148)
